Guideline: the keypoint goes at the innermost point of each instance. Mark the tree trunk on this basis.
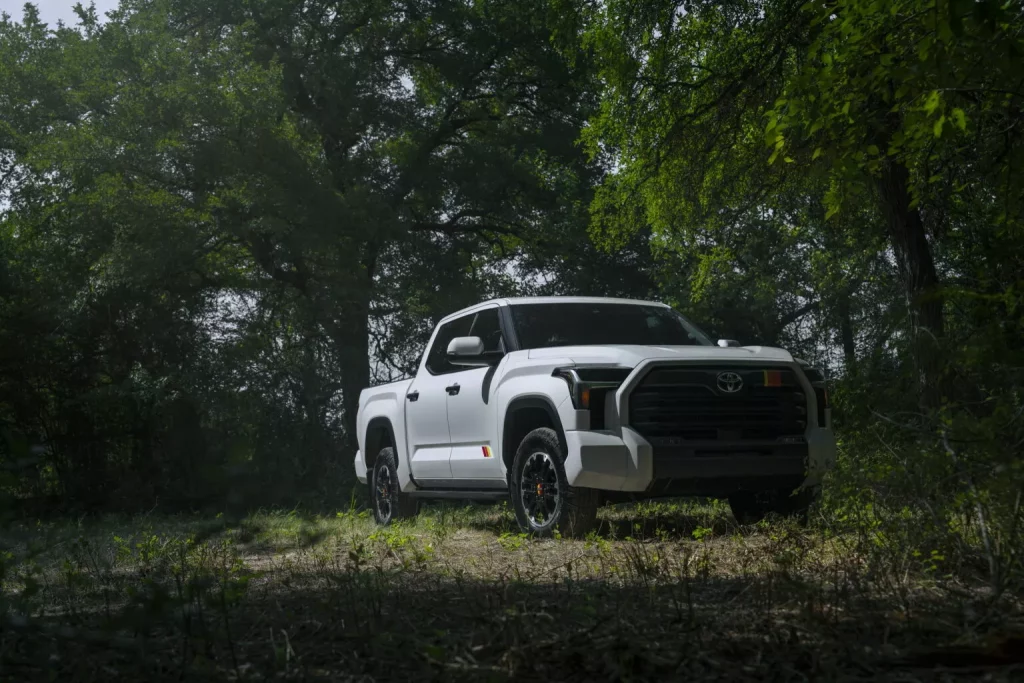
(354, 359)
(145, 468)
(917, 272)
(86, 452)
(185, 446)
(352, 340)
(316, 439)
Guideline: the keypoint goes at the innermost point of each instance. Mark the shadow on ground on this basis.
(382, 625)
(621, 523)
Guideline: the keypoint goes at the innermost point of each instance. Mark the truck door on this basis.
(472, 413)
(426, 409)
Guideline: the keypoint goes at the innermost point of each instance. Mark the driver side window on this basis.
(484, 324)
(437, 360)
(487, 326)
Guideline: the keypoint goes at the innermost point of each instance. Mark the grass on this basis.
(662, 591)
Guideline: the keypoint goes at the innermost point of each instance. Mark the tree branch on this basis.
(793, 316)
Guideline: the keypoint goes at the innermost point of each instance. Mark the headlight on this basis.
(589, 385)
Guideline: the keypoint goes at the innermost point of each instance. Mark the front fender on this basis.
(533, 380)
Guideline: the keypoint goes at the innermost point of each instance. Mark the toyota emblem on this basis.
(729, 382)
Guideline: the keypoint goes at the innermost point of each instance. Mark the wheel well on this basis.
(379, 435)
(521, 418)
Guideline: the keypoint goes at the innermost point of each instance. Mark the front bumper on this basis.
(604, 460)
(619, 458)
(360, 468)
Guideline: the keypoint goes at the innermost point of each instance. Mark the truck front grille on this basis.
(688, 403)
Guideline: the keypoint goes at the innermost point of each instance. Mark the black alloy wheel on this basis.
(542, 499)
(387, 500)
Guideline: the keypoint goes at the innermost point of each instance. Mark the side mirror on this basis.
(469, 352)
(726, 343)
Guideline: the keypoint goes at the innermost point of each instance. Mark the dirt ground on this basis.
(663, 591)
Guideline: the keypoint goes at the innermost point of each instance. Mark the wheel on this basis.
(748, 507)
(797, 504)
(542, 499)
(388, 502)
(751, 507)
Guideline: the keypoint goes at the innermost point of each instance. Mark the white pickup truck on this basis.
(561, 403)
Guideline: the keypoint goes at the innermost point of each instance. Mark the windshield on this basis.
(544, 325)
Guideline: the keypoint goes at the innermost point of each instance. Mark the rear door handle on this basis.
(453, 390)
(413, 396)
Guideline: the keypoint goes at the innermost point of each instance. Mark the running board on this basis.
(460, 494)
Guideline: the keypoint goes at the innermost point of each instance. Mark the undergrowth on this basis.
(662, 589)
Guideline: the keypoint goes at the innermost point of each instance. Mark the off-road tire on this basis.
(750, 507)
(386, 500)
(540, 459)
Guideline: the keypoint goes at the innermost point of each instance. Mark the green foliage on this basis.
(511, 542)
(837, 177)
(215, 216)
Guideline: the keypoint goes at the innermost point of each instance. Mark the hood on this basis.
(631, 356)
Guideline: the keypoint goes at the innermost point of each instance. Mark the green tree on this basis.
(225, 203)
(714, 111)
(441, 125)
(856, 157)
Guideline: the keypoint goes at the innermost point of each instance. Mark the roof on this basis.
(576, 300)
(550, 300)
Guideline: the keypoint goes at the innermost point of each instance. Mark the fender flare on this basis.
(379, 431)
(528, 402)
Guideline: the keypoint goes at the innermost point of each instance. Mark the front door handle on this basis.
(453, 390)
(413, 396)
